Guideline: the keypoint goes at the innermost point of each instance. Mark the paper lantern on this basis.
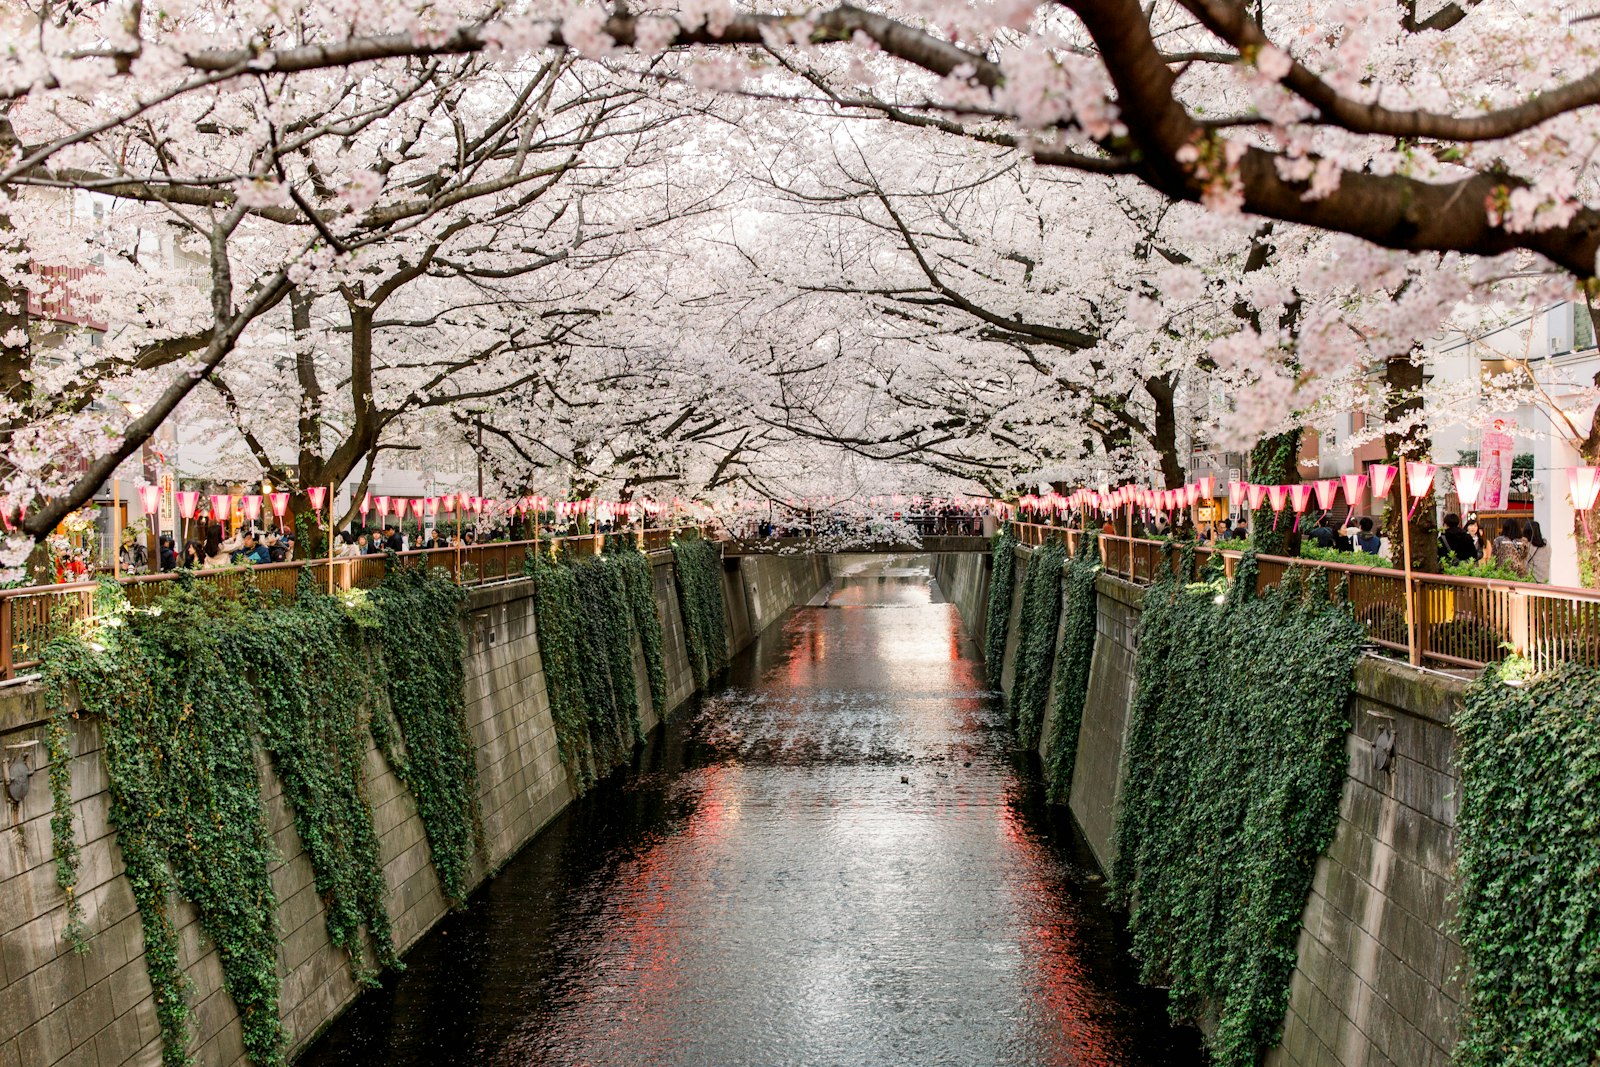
(250, 505)
(1584, 485)
(382, 503)
(280, 503)
(316, 494)
(150, 501)
(447, 502)
(432, 504)
(1256, 493)
(1469, 483)
(1191, 494)
(1354, 486)
(1236, 495)
(1419, 477)
(188, 501)
(1383, 475)
(1279, 494)
(221, 505)
(1327, 492)
(1208, 486)
(1300, 496)
(366, 504)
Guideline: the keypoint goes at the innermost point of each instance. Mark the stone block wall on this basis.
(1097, 774)
(61, 1009)
(1377, 978)
(963, 579)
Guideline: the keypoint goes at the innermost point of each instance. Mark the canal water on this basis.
(835, 859)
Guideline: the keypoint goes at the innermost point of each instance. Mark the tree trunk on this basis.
(1274, 461)
(1403, 379)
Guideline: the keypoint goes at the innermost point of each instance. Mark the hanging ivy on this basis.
(184, 691)
(699, 570)
(1002, 578)
(424, 659)
(639, 580)
(1529, 904)
(586, 617)
(1036, 640)
(1235, 758)
(1272, 462)
(1074, 659)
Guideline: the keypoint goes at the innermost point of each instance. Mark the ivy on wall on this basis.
(1002, 579)
(1036, 640)
(1272, 462)
(184, 692)
(586, 611)
(699, 570)
(1235, 757)
(639, 579)
(424, 659)
(1073, 661)
(1529, 903)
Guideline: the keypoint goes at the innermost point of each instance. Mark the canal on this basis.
(835, 858)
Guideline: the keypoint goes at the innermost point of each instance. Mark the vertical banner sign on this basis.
(169, 516)
(1495, 459)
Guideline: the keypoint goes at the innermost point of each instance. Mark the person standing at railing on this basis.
(1457, 543)
(1367, 539)
(1513, 549)
(1539, 557)
(166, 553)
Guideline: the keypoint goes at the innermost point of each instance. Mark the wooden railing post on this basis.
(7, 635)
(1521, 624)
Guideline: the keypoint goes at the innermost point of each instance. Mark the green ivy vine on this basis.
(1235, 758)
(639, 579)
(424, 660)
(1074, 659)
(1002, 579)
(1272, 462)
(587, 611)
(1529, 903)
(699, 570)
(1036, 640)
(185, 690)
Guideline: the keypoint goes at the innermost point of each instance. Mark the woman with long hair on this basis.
(1539, 554)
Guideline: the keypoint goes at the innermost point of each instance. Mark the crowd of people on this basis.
(1518, 547)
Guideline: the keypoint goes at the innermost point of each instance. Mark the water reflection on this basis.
(834, 860)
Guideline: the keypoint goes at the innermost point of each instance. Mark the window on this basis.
(1582, 327)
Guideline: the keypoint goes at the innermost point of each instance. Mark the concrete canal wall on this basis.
(1376, 979)
(61, 1009)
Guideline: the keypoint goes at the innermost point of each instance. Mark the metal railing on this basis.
(1461, 622)
(32, 616)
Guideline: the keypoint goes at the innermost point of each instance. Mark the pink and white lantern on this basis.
(250, 506)
(1419, 479)
(188, 502)
(1469, 483)
(150, 501)
(1327, 492)
(221, 507)
(1354, 486)
(1382, 477)
(280, 504)
(316, 494)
